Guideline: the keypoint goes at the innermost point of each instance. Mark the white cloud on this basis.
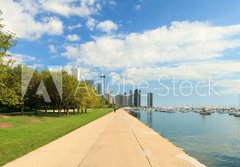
(20, 58)
(52, 49)
(86, 73)
(138, 7)
(107, 26)
(187, 71)
(71, 7)
(181, 42)
(73, 27)
(228, 83)
(232, 86)
(23, 22)
(22, 16)
(73, 38)
(71, 52)
(91, 23)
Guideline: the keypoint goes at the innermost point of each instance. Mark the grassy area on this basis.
(30, 132)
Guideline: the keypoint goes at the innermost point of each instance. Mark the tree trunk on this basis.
(85, 110)
(22, 108)
(78, 110)
(45, 108)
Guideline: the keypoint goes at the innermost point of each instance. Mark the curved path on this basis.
(115, 140)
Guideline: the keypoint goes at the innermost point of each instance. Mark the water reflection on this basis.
(213, 140)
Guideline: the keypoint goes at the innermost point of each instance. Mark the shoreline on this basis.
(182, 154)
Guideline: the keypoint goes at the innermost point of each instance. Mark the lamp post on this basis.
(103, 89)
(103, 84)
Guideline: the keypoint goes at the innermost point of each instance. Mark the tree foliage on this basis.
(18, 93)
(8, 95)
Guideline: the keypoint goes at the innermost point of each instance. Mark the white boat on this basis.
(204, 112)
(237, 114)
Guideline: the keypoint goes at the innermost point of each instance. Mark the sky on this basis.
(186, 52)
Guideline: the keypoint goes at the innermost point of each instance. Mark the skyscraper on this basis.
(150, 100)
(130, 98)
(137, 98)
(125, 100)
(121, 100)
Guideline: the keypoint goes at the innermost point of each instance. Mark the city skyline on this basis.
(177, 42)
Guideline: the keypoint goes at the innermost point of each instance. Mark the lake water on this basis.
(214, 140)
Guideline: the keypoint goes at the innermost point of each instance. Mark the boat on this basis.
(237, 114)
(204, 112)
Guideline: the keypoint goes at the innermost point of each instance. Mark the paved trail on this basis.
(115, 140)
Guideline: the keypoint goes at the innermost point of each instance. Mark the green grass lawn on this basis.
(26, 135)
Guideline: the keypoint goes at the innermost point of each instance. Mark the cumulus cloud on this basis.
(73, 27)
(68, 8)
(20, 58)
(73, 38)
(52, 49)
(107, 26)
(230, 86)
(91, 23)
(23, 22)
(181, 42)
(186, 71)
(71, 52)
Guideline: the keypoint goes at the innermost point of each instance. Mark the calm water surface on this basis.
(214, 140)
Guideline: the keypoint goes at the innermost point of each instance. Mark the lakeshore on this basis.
(117, 139)
(212, 139)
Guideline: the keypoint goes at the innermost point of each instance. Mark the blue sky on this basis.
(138, 40)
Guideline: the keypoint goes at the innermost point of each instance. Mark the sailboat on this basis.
(204, 112)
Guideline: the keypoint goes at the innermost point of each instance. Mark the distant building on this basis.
(149, 100)
(125, 100)
(130, 98)
(76, 73)
(137, 98)
(121, 100)
(118, 100)
(109, 98)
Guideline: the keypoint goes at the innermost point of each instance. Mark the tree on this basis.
(8, 96)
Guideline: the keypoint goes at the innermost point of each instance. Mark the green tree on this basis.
(8, 96)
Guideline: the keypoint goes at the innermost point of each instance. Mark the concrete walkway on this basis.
(116, 139)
